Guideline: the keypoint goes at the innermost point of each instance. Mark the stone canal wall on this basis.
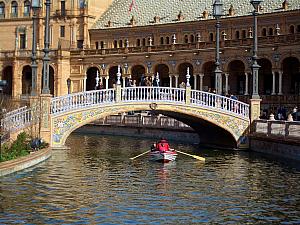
(278, 138)
(33, 159)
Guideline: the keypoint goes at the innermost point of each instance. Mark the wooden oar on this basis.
(194, 156)
(139, 155)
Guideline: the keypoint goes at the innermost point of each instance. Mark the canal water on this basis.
(95, 182)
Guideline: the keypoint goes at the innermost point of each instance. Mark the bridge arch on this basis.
(225, 115)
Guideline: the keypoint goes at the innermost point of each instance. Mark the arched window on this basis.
(161, 40)
(138, 42)
(264, 32)
(167, 40)
(2, 10)
(271, 31)
(115, 44)
(237, 34)
(292, 29)
(244, 34)
(211, 37)
(186, 39)
(26, 8)
(14, 9)
(192, 38)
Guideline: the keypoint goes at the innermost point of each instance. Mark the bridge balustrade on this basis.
(210, 100)
(17, 120)
(81, 100)
(153, 94)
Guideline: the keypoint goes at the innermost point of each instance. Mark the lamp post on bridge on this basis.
(36, 6)
(255, 67)
(46, 58)
(217, 13)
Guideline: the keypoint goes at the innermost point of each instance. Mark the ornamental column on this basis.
(226, 83)
(280, 82)
(170, 77)
(246, 84)
(195, 81)
(106, 82)
(273, 85)
(201, 81)
(176, 81)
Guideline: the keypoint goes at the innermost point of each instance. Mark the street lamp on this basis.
(217, 13)
(36, 6)
(46, 58)
(255, 67)
(3, 84)
(69, 85)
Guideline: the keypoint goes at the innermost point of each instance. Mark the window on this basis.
(270, 31)
(192, 39)
(211, 37)
(138, 42)
(167, 40)
(22, 41)
(27, 8)
(144, 42)
(115, 44)
(186, 39)
(161, 40)
(62, 31)
(292, 29)
(2, 10)
(80, 44)
(63, 8)
(14, 9)
(120, 44)
(244, 34)
(97, 45)
(237, 34)
(101, 44)
(264, 32)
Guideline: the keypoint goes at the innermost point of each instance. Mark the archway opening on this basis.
(236, 79)
(26, 80)
(91, 75)
(265, 77)
(163, 71)
(209, 76)
(291, 76)
(7, 75)
(51, 80)
(182, 71)
(113, 76)
(137, 72)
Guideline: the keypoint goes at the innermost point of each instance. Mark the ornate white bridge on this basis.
(62, 115)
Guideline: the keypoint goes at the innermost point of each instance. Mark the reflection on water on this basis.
(95, 182)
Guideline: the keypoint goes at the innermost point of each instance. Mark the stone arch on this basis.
(208, 69)
(7, 74)
(136, 73)
(66, 123)
(265, 77)
(236, 79)
(91, 74)
(291, 75)
(163, 71)
(26, 80)
(182, 71)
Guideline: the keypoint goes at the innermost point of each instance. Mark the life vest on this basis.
(163, 147)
